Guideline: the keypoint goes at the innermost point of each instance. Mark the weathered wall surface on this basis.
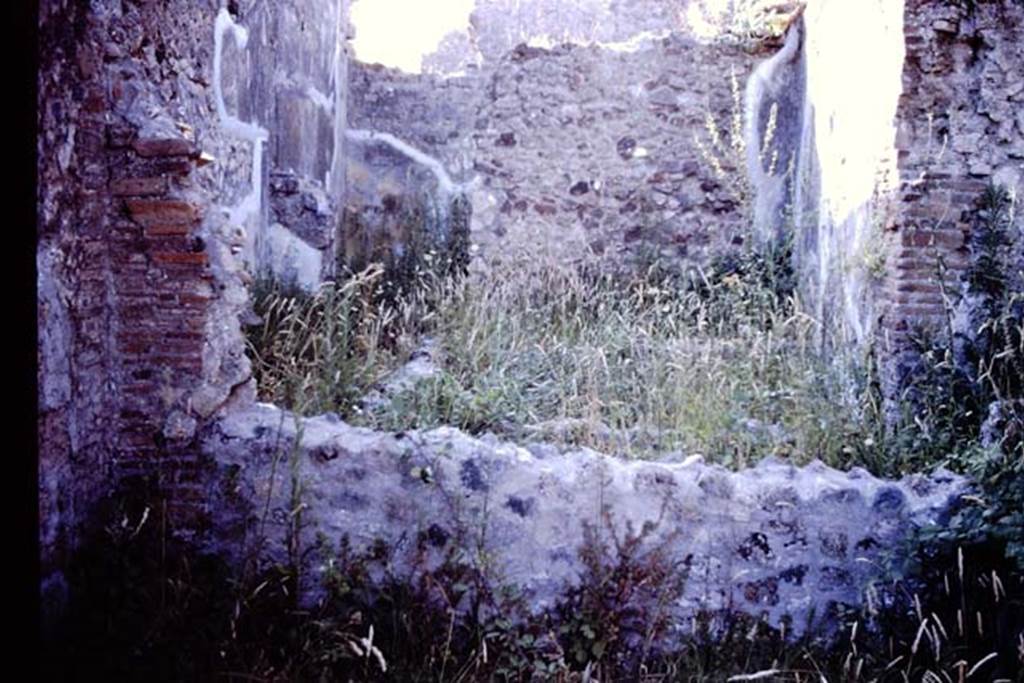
(577, 149)
(498, 26)
(409, 154)
(147, 202)
(961, 126)
(845, 176)
(593, 149)
(74, 351)
(773, 541)
(135, 306)
(895, 144)
(283, 72)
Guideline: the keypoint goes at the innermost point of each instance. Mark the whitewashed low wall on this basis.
(773, 541)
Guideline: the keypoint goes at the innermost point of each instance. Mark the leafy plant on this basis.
(612, 621)
(974, 369)
(967, 391)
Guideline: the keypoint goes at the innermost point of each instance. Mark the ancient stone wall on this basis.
(593, 149)
(75, 441)
(961, 126)
(498, 26)
(149, 196)
(132, 313)
(283, 72)
(410, 151)
(774, 541)
(578, 149)
(184, 147)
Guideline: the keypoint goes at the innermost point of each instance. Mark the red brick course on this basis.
(161, 299)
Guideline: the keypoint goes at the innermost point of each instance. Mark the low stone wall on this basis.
(774, 541)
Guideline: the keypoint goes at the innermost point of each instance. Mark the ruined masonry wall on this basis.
(577, 149)
(134, 303)
(961, 126)
(74, 359)
(773, 541)
(148, 201)
(287, 80)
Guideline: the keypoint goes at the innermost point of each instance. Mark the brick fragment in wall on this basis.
(168, 229)
(139, 187)
(179, 258)
(944, 240)
(164, 147)
(150, 212)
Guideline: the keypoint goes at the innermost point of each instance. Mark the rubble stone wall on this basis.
(576, 149)
(773, 541)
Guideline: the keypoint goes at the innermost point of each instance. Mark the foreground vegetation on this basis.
(146, 608)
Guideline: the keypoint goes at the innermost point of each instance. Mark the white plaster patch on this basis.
(445, 184)
(292, 260)
(635, 43)
(321, 100)
(250, 205)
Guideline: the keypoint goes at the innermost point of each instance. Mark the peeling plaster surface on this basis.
(831, 142)
(292, 260)
(246, 213)
(446, 186)
(295, 104)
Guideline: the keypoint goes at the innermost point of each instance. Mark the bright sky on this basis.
(398, 33)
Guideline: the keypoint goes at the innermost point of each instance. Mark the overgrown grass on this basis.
(320, 352)
(720, 362)
(637, 365)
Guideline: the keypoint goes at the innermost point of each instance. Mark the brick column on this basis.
(163, 287)
(958, 131)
